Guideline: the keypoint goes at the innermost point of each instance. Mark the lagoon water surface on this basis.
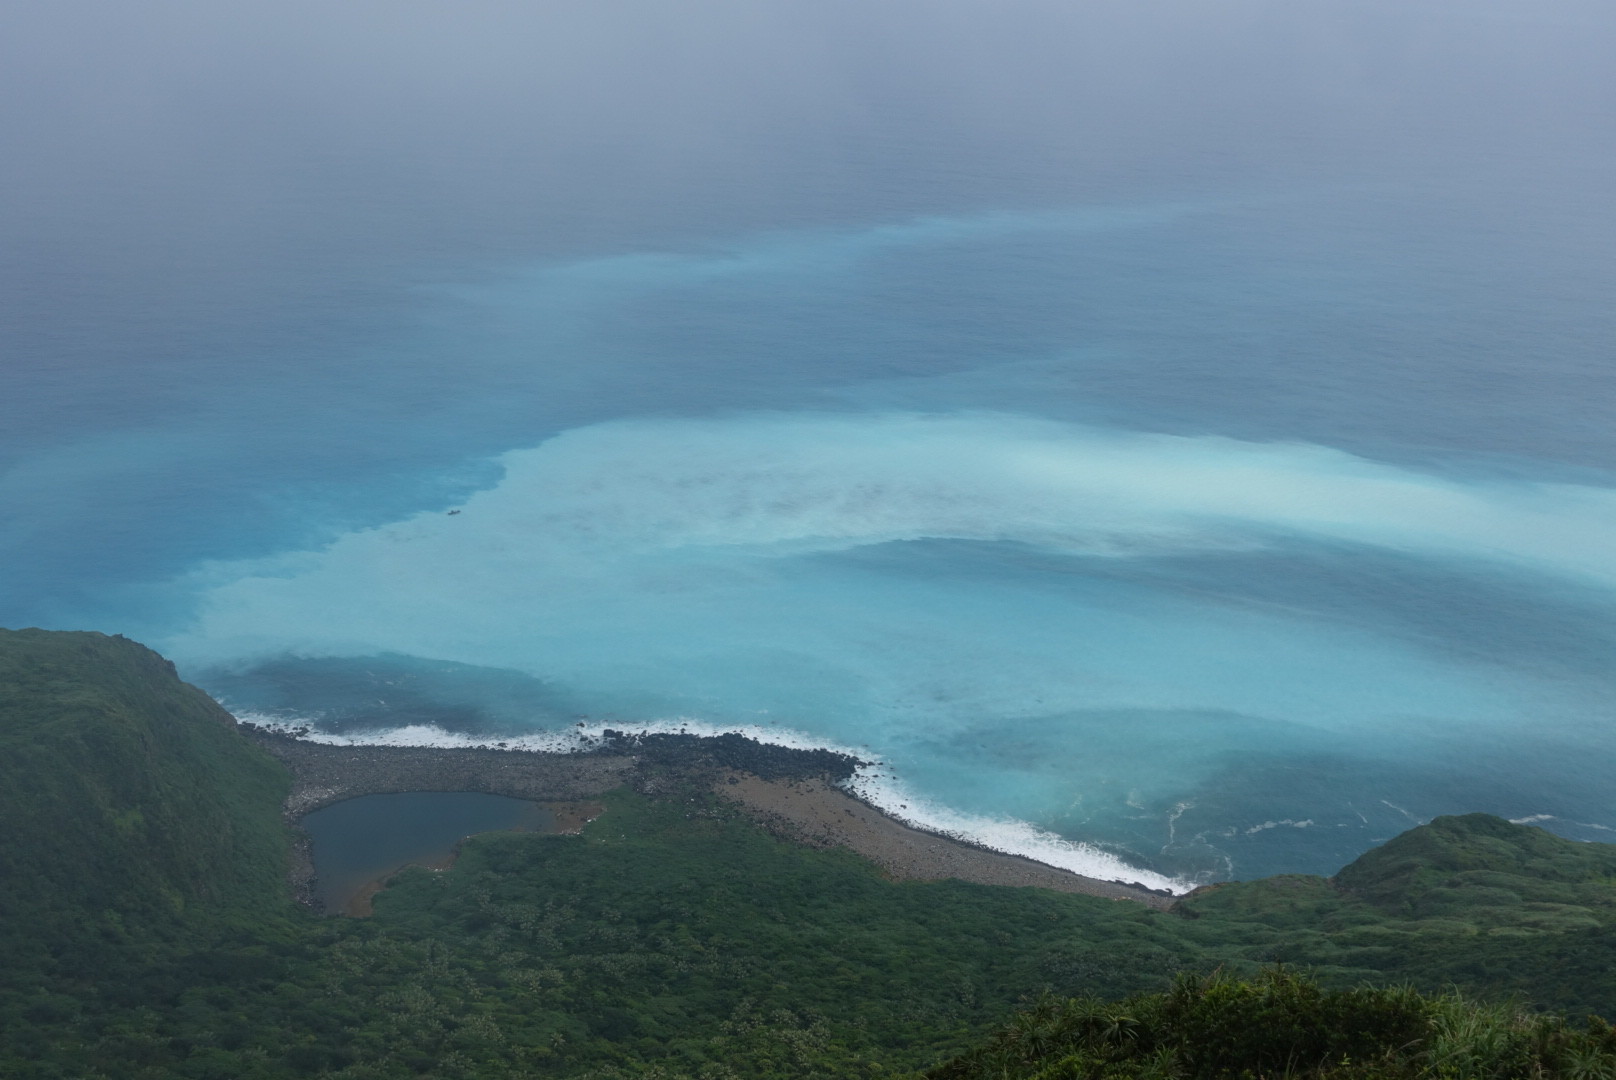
(360, 841)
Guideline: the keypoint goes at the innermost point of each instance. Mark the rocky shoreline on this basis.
(793, 793)
(323, 774)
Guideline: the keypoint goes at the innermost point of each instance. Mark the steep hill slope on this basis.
(127, 796)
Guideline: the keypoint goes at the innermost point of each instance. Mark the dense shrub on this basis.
(1281, 1024)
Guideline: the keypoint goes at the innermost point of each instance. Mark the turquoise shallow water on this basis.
(1225, 489)
(1199, 637)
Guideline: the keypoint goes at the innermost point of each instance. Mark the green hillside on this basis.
(127, 795)
(148, 933)
(1472, 901)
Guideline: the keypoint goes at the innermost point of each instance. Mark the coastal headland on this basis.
(793, 793)
(149, 930)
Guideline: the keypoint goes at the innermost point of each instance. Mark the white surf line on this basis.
(1533, 819)
(1405, 813)
(1306, 823)
(871, 783)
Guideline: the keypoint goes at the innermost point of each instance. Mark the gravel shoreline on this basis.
(791, 793)
(813, 812)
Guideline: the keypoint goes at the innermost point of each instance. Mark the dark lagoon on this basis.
(359, 842)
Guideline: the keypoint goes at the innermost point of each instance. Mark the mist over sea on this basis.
(1174, 439)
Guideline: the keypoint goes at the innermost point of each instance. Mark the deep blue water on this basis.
(1223, 475)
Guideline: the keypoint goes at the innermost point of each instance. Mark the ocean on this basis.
(1177, 448)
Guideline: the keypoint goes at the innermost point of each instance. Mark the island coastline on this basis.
(792, 793)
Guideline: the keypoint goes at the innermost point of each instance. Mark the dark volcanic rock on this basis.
(732, 751)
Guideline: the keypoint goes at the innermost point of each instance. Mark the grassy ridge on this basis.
(147, 933)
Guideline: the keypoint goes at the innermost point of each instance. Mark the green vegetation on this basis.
(1284, 1025)
(1470, 901)
(133, 810)
(125, 793)
(148, 934)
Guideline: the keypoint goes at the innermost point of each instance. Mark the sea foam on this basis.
(971, 595)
